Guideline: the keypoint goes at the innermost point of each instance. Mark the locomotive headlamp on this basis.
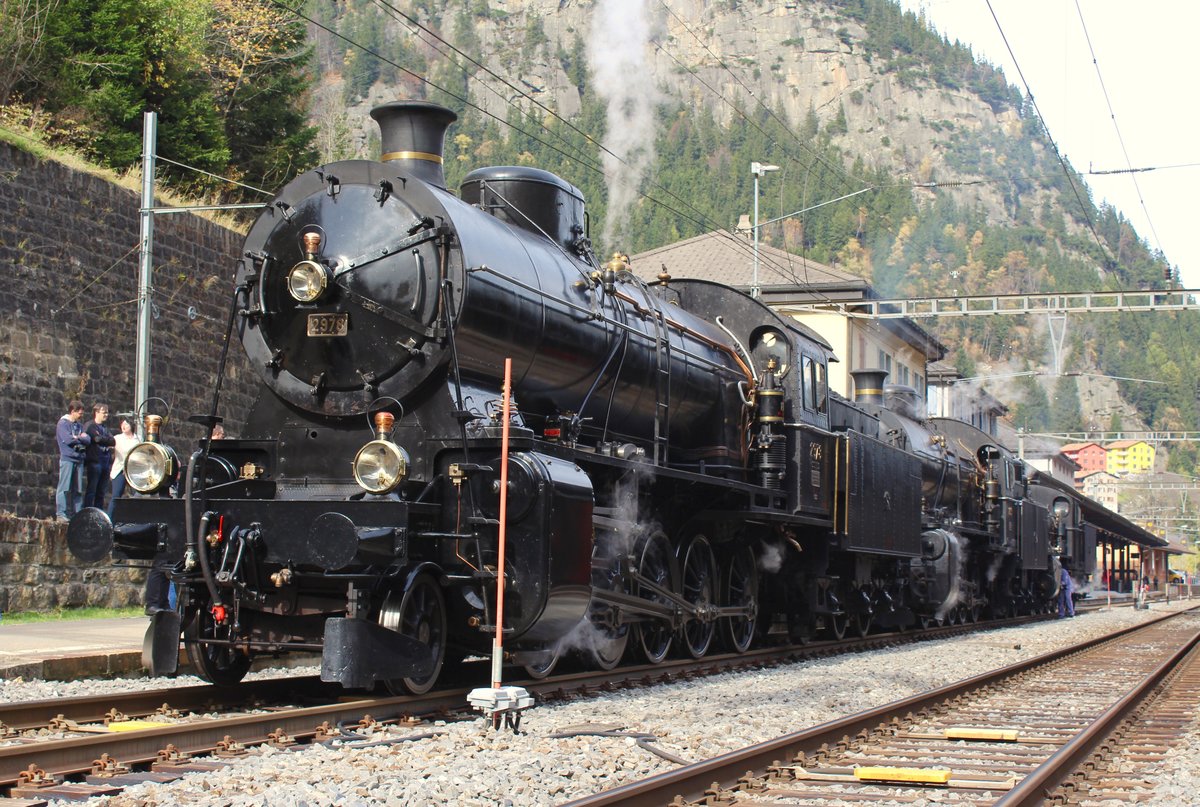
(381, 465)
(307, 281)
(308, 278)
(150, 466)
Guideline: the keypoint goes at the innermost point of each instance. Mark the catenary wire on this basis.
(701, 222)
(397, 13)
(1054, 146)
(158, 156)
(1113, 116)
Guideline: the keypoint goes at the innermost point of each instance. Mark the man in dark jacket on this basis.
(98, 458)
(72, 442)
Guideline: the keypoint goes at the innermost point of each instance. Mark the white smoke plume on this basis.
(623, 78)
(771, 558)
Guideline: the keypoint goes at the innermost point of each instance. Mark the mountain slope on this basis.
(918, 167)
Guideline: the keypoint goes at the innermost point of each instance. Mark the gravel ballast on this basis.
(467, 763)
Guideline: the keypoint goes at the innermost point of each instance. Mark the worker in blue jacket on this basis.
(1066, 603)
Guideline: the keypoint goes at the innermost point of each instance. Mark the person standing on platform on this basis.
(98, 458)
(72, 442)
(125, 441)
(1066, 588)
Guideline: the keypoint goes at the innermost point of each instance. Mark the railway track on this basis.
(1009, 737)
(174, 724)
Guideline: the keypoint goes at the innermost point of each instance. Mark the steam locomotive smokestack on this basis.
(868, 385)
(412, 134)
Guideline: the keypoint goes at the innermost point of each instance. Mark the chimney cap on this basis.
(413, 133)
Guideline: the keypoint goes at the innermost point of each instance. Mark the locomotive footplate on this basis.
(324, 534)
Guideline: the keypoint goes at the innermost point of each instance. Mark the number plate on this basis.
(328, 324)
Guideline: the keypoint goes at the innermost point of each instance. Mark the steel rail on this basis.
(24, 715)
(76, 754)
(1036, 786)
(693, 782)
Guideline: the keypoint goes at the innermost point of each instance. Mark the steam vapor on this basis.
(623, 79)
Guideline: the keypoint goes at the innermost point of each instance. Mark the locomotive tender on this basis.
(680, 476)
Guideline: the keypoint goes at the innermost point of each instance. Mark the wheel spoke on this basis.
(741, 591)
(698, 590)
(654, 635)
(216, 663)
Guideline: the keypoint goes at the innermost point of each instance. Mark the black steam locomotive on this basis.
(679, 475)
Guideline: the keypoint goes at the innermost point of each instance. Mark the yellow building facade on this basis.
(1129, 457)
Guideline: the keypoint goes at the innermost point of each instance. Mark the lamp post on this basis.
(758, 169)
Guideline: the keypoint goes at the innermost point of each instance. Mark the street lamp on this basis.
(758, 169)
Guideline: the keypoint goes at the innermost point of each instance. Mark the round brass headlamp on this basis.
(380, 466)
(149, 467)
(307, 281)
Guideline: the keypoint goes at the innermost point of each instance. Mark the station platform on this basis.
(66, 649)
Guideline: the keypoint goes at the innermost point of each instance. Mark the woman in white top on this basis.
(126, 440)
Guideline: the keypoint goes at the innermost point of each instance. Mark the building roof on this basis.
(783, 278)
(1076, 447)
(1083, 476)
(729, 258)
(1123, 444)
(942, 372)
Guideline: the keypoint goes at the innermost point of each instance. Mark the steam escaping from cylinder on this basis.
(771, 558)
(623, 78)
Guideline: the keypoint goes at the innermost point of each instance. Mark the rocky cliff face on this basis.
(798, 58)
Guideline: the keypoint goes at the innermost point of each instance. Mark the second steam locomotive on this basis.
(680, 478)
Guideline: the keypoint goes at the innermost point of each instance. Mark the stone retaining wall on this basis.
(37, 573)
(68, 316)
(68, 329)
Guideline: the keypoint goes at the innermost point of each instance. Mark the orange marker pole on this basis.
(498, 646)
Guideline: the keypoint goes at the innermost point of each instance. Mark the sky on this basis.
(1148, 55)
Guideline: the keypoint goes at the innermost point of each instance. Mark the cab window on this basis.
(819, 386)
(808, 382)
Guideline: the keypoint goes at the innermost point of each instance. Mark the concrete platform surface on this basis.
(65, 649)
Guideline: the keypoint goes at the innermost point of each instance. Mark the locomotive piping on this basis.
(444, 304)
(741, 348)
(193, 540)
(733, 354)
